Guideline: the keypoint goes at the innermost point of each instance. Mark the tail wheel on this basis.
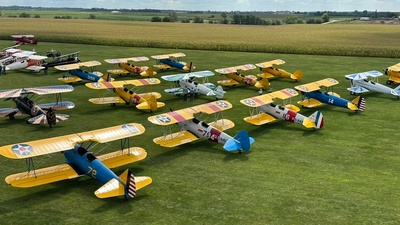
(389, 82)
(352, 93)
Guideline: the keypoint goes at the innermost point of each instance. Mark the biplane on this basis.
(79, 74)
(62, 60)
(22, 39)
(168, 61)
(313, 97)
(394, 74)
(264, 110)
(126, 66)
(360, 84)
(193, 129)
(186, 80)
(235, 77)
(80, 162)
(144, 101)
(4, 53)
(269, 71)
(24, 60)
(42, 113)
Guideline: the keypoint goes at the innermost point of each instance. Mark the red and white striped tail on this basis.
(131, 186)
(362, 105)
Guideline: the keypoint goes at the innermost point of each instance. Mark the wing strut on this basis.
(30, 165)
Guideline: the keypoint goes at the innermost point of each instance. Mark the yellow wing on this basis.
(257, 101)
(328, 82)
(310, 103)
(260, 119)
(67, 142)
(235, 69)
(395, 67)
(123, 157)
(118, 71)
(188, 113)
(119, 84)
(394, 79)
(271, 63)
(106, 100)
(162, 67)
(308, 87)
(89, 63)
(124, 60)
(229, 82)
(223, 124)
(166, 56)
(284, 94)
(175, 139)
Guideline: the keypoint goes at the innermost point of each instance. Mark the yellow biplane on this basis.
(145, 101)
(268, 71)
(192, 129)
(235, 77)
(126, 66)
(79, 161)
(394, 74)
(168, 61)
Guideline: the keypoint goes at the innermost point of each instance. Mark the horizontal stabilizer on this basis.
(396, 91)
(42, 176)
(240, 142)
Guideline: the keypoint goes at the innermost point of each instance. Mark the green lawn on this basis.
(345, 173)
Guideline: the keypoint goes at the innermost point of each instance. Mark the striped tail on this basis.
(360, 102)
(131, 185)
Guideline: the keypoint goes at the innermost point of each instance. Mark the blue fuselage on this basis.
(85, 162)
(172, 63)
(85, 75)
(324, 97)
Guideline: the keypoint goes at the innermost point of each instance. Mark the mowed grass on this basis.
(345, 173)
(374, 40)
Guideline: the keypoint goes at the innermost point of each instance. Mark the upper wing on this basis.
(166, 56)
(37, 57)
(67, 67)
(212, 107)
(284, 93)
(89, 63)
(235, 69)
(364, 75)
(395, 67)
(13, 93)
(257, 101)
(67, 142)
(181, 76)
(119, 84)
(124, 60)
(271, 63)
(23, 35)
(328, 82)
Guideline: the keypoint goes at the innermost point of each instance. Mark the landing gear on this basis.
(389, 82)
(352, 93)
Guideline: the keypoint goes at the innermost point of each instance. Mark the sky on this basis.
(219, 5)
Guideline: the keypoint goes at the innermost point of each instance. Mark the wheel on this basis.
(352, 93)
(389, 82)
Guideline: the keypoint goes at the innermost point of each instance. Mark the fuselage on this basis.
(203, 130)
(173, 63)
(326, 98)
(192, 85)
(373, 86)
(242, 79)
(18, 63)
(85, 75)
(129, 96)
(282, 113)
(131, 68)
(27, 106)
(276, 72)
(85, 162)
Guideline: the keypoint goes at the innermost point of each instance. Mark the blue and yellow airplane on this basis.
(166, 62)
(79, 161)
(312, 96)
(78, 74)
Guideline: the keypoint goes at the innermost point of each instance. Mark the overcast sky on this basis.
(220, 5)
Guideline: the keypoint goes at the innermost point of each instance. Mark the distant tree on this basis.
(291, 19)
(210, 22)
(156, 19)
(92, 16)
(167, 19)
(325, 18)
(318, 21)
(224, 18)
(185, 21)
(198, 20)
(174, 17)
(310, 21)
(24, 15)
(0, 13)
(36, 16)
(299, 21)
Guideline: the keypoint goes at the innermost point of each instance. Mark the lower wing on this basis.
(9, 112)
(175, 139)
(229, 82)
(35, 68)
(107, 100)
(394, 79)
(309, 103)
(260, 119)
(149, 94)
(222, 124)
(357, 89)
(162, 67)
(58, 105)
(42, 176)
(70, 79)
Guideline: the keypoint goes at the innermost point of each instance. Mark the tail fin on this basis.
(298, 75)
(191, 67)
(396, 91)
(152, 101)
(126, 185)
(107, 77)
(317, 120)
(219, 92)
(240, 142)
(360, 103)
(148, 73)
(44, 119)
(263, 84)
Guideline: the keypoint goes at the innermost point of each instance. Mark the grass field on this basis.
(345, 173)
(374, 40)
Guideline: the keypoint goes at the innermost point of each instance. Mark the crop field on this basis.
(345, 173)
(376, 40)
